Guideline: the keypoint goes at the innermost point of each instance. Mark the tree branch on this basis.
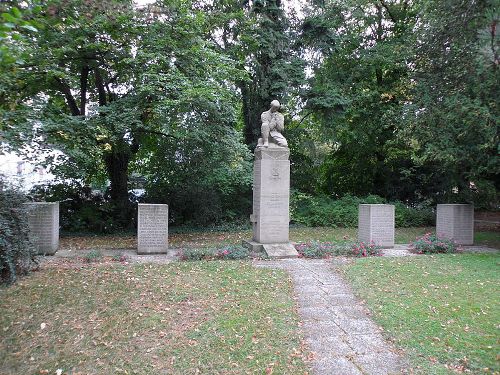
(302, 119)
(386, 7)
(83, 88)
(100, 87)
(66, 90)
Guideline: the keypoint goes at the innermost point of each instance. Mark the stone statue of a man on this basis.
(273, 123)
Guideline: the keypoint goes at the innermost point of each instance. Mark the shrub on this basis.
(362, 249)
(83, 209)
(317, 249)
(232, 252)
(17, 253)
(324, 211)
(92, 256)
(431, 244)
(226, 252)
(407, 216)
(119, 258)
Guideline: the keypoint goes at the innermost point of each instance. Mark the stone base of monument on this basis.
(272, 250)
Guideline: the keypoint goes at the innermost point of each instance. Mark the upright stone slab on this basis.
(376, 223)
(271, 199)
(152, 229)
(43, 221)
(456, 222)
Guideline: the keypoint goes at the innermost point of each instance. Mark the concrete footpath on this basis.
(336, 326)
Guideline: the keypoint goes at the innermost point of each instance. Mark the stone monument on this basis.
(271, 189)
(152, 229)
(43, 221)
(376, 223)
(456, 222)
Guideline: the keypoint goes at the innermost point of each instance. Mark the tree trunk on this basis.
(117, 162)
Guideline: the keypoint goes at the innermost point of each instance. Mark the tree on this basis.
(107, 80)
(261, 37)
(452, 117)
(361, 78)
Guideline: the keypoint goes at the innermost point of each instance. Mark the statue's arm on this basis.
(264, 119)
(280, 123)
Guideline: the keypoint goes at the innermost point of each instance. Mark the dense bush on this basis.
(16, 250)
(317, 249)
(325, 211)
(431, 244)
(83, 209)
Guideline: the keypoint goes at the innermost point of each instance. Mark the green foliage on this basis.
(119, 258)
(260, 36)
(407, 110)
(15, 21)
(409, 216)
(318, 249)
(81, 208)
(16, 250)
(227, 252)
(325, 211)
(355, 94)
(432, 244)
(92, 256)
(275, 66)
(117, 83)
(211, 185)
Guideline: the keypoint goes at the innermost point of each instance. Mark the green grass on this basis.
(180, 318)
(487, 238)
(444, 310)
(200, 238)
(402, 235)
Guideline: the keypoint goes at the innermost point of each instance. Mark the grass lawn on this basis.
(201, 238)
(180, 318)
(444, 310)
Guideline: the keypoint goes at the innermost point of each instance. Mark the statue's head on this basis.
(275, 105)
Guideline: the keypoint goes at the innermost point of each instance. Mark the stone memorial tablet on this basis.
(152, 229)
(43, 220)
(456, 222)
(376, 224)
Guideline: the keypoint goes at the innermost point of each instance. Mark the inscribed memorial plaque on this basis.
(43, 221)
(152, 229)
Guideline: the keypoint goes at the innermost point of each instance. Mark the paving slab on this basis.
(336, 366)
(381, 363)
(337, 327)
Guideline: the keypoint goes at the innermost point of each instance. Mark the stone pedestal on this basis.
(152, 229)
(376, 223)
(456, 222)
(271, 198)
(43, 220)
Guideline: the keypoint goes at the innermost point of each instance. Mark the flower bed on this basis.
(430, 243)
(226, 252)
(318, 249)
